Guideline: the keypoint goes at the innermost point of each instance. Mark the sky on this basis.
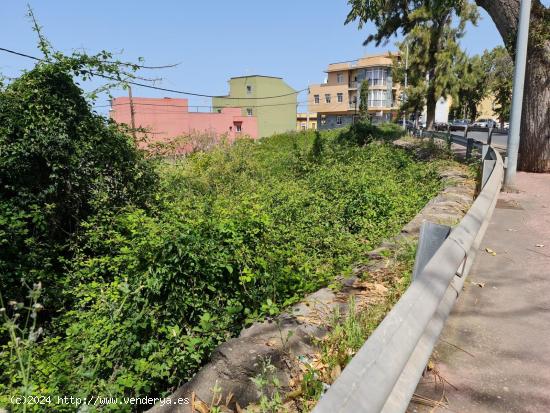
(212, 40)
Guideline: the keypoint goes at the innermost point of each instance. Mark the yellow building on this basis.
(337, 100)
(302, 121)
(486, 108)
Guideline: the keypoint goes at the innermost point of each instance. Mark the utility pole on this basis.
(517, 94)
(132, 113)
(307, 107)
(406, 83)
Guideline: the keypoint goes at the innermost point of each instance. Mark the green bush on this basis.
(364, 132)
(59, 164)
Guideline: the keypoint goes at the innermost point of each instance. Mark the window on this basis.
(377, 98)
(248, 89)
(340, 97)
(303, 125)
(323, 120)
(376, 76)
(316, 99)
(238, 126)
(248, 111)
(327, 97)
(340, 78)
(338, 120)
(313, 125)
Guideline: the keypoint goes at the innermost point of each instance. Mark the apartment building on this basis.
(337, 100)
(253, 94)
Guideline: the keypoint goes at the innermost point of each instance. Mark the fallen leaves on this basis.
(479, 284)
(377, 288)
(335, 372)
(197, 405)
(490, 251)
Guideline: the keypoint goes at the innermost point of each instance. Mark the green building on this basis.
(274, 114)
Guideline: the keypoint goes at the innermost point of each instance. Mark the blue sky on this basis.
(213, 40)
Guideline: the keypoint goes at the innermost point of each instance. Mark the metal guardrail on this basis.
(384, 373)
(451, 138)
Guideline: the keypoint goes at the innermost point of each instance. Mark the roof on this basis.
(241, 77)
(365, 61)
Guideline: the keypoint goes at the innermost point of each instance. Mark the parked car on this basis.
(408, 124)
(485, 123)
(441, 125)
(459, 124)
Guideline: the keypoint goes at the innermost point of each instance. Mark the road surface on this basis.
(498, 139)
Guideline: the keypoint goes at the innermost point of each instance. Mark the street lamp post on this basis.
(517, 94)
(406, 80)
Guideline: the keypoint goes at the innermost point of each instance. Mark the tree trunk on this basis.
(431, 102)
(534, 150)
(534, 144)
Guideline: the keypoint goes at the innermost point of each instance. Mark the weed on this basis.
(269, 387)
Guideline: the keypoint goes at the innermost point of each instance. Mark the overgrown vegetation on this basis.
(348, 333)
(141, 267)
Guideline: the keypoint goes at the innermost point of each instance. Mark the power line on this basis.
(105, 61)
(202, 106)
(157, 87)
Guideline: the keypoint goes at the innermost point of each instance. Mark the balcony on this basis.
(372, 83)
(377, 82)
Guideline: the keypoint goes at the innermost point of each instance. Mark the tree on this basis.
(393, 15)
(428, 25)
(500, 72)
(364, 100)
(473, 87)
(413, 98)
(534, 148)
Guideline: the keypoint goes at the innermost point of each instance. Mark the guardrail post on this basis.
(449, 138)
(430, 239)
(469, 143)
(469, 147)
(490, 134)
(487, 165)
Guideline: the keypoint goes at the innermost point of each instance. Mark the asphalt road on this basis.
(498, 139)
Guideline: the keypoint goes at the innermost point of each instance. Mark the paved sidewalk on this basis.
(494, 351)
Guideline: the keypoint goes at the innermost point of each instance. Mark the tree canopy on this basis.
(429, 27)
(472, 87)
(500, 72)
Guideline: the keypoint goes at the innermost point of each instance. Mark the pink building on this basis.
(167, 118)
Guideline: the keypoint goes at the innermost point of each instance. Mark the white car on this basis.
(485, 123)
